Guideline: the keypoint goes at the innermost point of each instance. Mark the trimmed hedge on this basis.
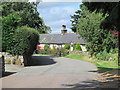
(26, 40)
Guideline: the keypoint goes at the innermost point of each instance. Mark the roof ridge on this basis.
(57, 33)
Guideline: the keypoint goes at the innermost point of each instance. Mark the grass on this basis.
(104, 66)
(98, 63)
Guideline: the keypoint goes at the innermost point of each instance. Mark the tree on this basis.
(27, 11)
(89, 29)
(14, 16)
(115, 19)
(105, 7)
(25, 42)
(112, 21)
(17, 14)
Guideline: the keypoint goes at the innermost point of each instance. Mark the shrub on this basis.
(67, 46)
(58, 52)
(46, 47)
(78, 47)
(26, 40)
(102, 55)
(106, 56)
(42, 51)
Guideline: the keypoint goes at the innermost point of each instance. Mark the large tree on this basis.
(14, 16)
(88, 26)
(17, 14)
(113, 19)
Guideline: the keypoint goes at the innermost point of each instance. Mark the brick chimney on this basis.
(64, 30)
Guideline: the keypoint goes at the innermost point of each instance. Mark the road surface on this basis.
(52, 72)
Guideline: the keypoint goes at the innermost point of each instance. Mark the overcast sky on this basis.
(56, 14)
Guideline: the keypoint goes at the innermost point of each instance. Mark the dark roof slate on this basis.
(60, 38)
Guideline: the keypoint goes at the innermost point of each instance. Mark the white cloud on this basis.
(57, 14)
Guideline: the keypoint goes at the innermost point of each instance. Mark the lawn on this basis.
(105, 66)
(98, 63)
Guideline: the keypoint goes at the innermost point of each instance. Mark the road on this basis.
(52, 72)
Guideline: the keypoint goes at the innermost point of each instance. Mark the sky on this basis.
(56, 14)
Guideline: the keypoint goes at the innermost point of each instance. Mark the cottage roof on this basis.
(60, 38)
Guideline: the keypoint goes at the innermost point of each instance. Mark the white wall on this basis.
(83, 48)
(57, 46)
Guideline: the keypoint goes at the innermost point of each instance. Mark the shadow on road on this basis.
(8, 73)
(89, 85)
(42, 60)
(108, 78)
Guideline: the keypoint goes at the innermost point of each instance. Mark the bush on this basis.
(106, 56)
(78, 47)
(67, 46)
(26, 40)
(42, 51)
(46, 47)
(58, 52)
(102, 55)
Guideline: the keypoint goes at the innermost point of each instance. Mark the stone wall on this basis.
(10, 59)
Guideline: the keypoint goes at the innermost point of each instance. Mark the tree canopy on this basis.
(88, 23)
(17, 14)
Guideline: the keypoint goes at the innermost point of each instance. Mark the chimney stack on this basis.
(64, 30)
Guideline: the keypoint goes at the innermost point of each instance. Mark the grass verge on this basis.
(104, 66)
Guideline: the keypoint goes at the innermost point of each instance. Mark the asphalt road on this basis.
(52, 72)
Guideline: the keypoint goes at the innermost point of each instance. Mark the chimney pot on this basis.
(64, 30)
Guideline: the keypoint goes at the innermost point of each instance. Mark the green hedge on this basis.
(25, 42)
(77, 47)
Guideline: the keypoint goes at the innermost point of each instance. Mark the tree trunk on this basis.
(27, 59)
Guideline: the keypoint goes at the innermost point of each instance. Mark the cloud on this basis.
(57, 14)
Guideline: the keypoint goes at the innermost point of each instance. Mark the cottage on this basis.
(60, 39)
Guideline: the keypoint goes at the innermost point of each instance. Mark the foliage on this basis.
(42, 51)
(78, 47)
(54, 52)
(60, 52)
(9, 24)
(107, 56)
(67, 46)
(89, 29)
(26, 40)
(112, 21)
(17, 14)
(46, 47)
(105, 7)
(98, 63)
(31, 18)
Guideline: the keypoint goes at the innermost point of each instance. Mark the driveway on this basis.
(52, 72)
